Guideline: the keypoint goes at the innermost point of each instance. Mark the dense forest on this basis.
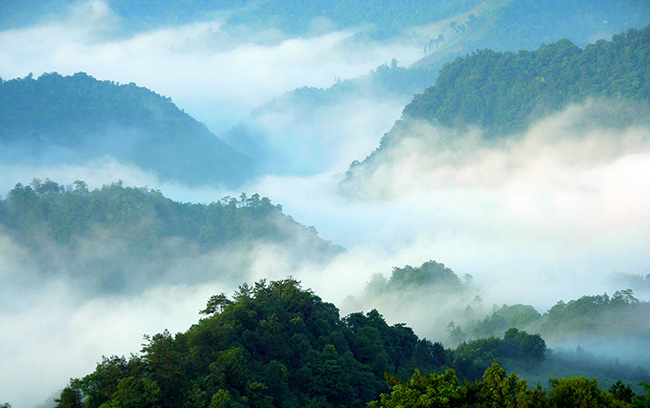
(620, 315)
(77, 118)
(503, 93)
(500, 91)
(277, 345)
(145, 227)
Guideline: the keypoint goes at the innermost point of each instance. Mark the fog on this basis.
(216, 75)
(544, 216)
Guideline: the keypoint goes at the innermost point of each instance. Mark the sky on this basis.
(546, 216)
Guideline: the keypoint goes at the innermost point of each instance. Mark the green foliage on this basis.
(507, 316)
(215, 304)
(274, 345)
(135, 393)
(580, 392)
(430, 275)
(642, 400)
(144, 223)
(500, 390)
(495, 389)
(622, 391)
(70, 398)
(500, 91)
(473, 356)
(277, 345)
(598, 315)
(422, 391)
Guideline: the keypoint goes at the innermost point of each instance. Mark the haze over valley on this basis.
(462, 167)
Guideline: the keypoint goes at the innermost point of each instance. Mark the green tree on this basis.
(70, 398)
(501, 390)
(422, 391)
(223, 399)
(642, 400)
(135, 393)
(622, 391)
(580, 392)
(215, 304)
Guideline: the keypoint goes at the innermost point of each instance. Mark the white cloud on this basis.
(216, 75)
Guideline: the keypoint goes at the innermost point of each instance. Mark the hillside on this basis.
(120, 239)
(506, 25)
(501, 94)
(74, 119)
(275, 344)
(500, 91)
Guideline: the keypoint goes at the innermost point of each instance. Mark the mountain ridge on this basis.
(78, 118)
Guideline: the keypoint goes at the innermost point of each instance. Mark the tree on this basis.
(422, 391)
(135, 393)
(215, 304)
(501, 390)
(223, 399)
(622, 392)
(642, 400)
(580, 392)
(70, 398)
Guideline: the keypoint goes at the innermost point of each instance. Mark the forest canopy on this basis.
(275, 344)
(502, 91)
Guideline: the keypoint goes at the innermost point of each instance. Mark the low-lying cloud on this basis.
(218, 75)
(543, 216)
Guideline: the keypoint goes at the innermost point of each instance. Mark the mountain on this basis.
(124, 239)
(525, 24)
(503, 93)
(275, 344)
(73, 119)
(500, 91)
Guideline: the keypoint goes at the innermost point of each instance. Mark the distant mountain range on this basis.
(73, 119)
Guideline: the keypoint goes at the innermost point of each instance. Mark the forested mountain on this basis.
(387, 80)
(503, 93)
(500, 91)
(620, 315)
(55, 119)
(591, 316)
(119, 238)
(278, 345)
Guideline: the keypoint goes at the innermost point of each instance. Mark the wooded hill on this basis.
(73, 119)
(117, 238)
(503, 91)
(277, 345)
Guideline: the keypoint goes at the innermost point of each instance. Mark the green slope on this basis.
(77, 118)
